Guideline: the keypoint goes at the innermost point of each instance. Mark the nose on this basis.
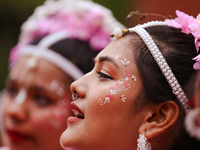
(14, 112)
(79, 86)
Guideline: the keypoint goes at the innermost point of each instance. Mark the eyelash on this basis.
(104, 76)
(42, 100)
(11, 90)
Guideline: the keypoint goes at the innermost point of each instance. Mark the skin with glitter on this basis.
(106, 82)
(120, 85)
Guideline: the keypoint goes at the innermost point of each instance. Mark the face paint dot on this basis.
(54, 85)
(21, 96)
(60, 91)
(123, 98)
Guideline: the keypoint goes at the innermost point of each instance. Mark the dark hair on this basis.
(178, 49)
(77, 51)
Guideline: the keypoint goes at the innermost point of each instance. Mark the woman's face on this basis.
(105, 117)
(35, 106)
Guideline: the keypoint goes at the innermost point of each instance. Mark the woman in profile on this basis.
(136, 97)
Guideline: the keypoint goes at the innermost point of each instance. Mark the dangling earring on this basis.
(191, 123)
(143, 143)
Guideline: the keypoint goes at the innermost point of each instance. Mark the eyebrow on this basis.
(11, 81)
(32, 88)
(109, 59)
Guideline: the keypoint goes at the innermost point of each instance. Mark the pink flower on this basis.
(14, 54)
(196, 66)
(182, 21)
(188, 24)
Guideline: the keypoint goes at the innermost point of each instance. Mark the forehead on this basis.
(44, 69)
(121, 45)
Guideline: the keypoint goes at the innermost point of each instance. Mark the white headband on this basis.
(42, 50)
(160, 60)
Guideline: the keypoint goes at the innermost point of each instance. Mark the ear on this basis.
(159, 118)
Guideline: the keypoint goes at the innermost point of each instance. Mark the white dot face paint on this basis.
(52, 85)
(60, 111)
(21, 96)
(120, 86)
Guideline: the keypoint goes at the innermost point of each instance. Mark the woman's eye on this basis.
(104, 76)
(12, 91)
(42, 100)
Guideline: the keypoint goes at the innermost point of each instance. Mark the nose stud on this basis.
(75, 96)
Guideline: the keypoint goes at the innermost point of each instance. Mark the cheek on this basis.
(5, 103)
(118, 90)
(52, 118)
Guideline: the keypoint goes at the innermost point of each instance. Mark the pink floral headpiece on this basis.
(81, 19)
(189, 25)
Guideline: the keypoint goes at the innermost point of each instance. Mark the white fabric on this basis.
(41, 50)
(162, 63)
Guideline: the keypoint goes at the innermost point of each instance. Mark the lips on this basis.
(17, 136)
(77, 112)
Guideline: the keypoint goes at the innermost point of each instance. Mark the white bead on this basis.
(169, 71)
(164, 70)
(117, 32)
(181, 100)
(182, 94)
(179, 96)
(31, 62)
(158, 59)
(166, 74)
(168, 78)
(177, 93)
(174, 88)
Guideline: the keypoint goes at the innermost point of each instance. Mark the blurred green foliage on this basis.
(14, 12)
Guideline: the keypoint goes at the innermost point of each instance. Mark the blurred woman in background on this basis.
(56, 46)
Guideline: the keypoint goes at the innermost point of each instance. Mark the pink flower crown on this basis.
(189, 25)
(81, 19)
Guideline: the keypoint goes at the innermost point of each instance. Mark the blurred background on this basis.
(14, 12)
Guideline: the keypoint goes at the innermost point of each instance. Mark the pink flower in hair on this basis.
(196, 66)
(100, 39)
(83, 20)
(195, 30)
(182, 21)
(189, 25)
(14, 53)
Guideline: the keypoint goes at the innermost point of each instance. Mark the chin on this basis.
(66, 141)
